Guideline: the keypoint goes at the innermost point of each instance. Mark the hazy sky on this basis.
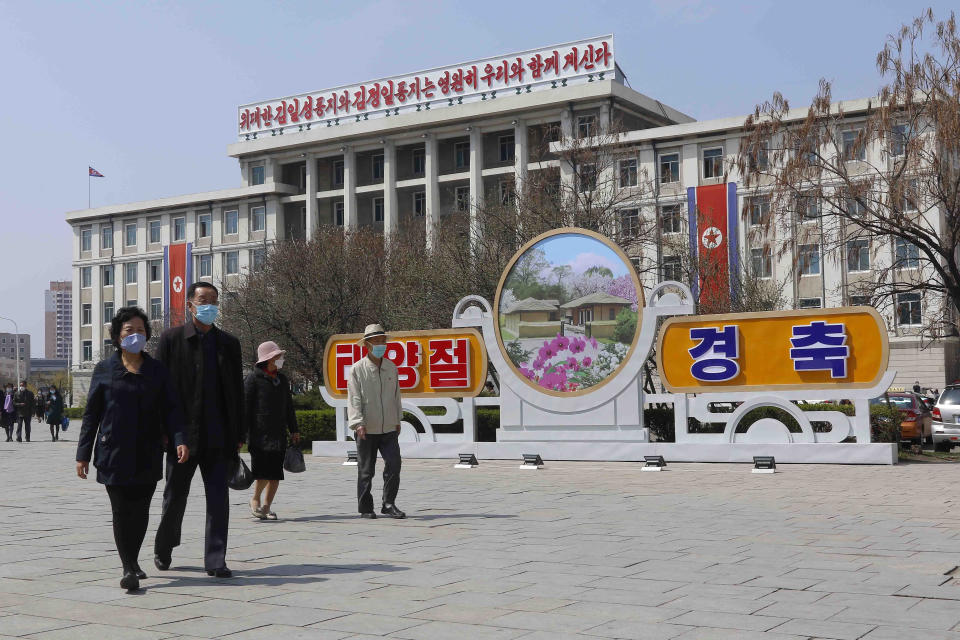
(147, 92)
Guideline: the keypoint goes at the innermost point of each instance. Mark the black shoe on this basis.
(130, 582)
(19, 440)
(369, 515)
(392, 511)
(140, 573)
(161, 563)
(222, 572)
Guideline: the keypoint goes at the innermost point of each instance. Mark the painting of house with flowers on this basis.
(568, 312)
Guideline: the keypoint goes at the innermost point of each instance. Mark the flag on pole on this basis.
(94, 173)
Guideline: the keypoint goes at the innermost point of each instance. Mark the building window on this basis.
(461, 155)
(87, 346)
(507, 148)
(131, 303)
(376, 167)
(179, 229)
(587, 177)
(671, 218)
(419, 203)
(302, 176)
(86, 239)
(258, 219)
(809, 208)
(106, 236)
(672, 268)
(419, 162)
(760, 157)
(899, 136)
(669, 168)
(205, 268)
(760, 263)
(338, 173)
(231, 222)
(86, 276)
(107, 276)
(257, 174)
(713, 163)
(130, 273)
(338, 213)
(759, 209)
(809, 303)
(909, 203)
(858, 255)
(628, 173)
(205, 225)
(586, 126)
(855, 206)
(130, 234)
(107, 312)
(629, 223)
(258, 257)
(505, 188)
(907, 254)
(154, 226)
(852, 145)
(232, 259)
(378, 209)
(156, 270)
(462, 198)
(860, 301)
(86, 314)
(156, 309)
(809, 258)
(909, 312)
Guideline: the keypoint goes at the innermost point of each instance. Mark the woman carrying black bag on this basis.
(268, 415)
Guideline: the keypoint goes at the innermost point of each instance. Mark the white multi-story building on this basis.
(411, 150)
(57, 320)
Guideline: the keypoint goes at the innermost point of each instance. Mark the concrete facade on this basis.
(58, 320)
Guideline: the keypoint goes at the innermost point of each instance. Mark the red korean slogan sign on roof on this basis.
(516, 73)
(442, 362)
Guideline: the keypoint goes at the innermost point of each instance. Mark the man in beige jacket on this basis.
(374, 414)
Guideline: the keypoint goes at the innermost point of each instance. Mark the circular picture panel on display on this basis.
(568, 311)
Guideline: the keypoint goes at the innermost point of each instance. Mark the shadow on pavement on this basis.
(277, 575)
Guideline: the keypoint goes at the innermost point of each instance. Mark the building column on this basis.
(521, 156)
(432, 188)
(605, 119)
(311, 203)
(390, 209)
(96, 310)
(568, 180)
(476, 184)
(349, 189)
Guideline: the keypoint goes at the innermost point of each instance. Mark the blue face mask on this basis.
(134, 343)
(378, 350)
(207, 313)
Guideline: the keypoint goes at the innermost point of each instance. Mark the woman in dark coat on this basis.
(54, 412)
(131, 413)
(268, 415)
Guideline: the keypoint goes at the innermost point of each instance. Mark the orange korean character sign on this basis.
(442, 362)
(845, 347)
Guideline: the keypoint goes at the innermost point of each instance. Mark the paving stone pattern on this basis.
(576, 550)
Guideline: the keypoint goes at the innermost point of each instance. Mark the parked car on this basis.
(946, 419)
(917, 423)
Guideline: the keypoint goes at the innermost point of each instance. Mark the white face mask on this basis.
(278, 363)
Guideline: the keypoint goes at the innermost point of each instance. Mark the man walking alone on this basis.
(374, 413)
(206, 370)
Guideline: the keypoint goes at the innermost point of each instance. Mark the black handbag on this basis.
(239, 477)
(293, 460)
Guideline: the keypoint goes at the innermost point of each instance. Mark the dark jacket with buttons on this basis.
(127, 418)
(268, 411)
(180, 349)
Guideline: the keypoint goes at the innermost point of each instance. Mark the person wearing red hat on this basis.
(268, 415)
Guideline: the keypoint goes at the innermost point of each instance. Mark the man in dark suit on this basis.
(23, 402)
(206, 369)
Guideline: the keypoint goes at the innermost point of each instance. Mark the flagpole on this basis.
(88, 188)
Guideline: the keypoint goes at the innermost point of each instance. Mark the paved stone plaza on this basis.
(576, 550)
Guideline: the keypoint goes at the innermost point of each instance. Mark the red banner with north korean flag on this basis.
(712, 211)
(178, 272)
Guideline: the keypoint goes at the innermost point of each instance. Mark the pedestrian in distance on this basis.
(132, 413)
(207, 372)
(268, 415)
(54, 413)
(374, 413)
(23, 401)
(9, 412)
(39, 404)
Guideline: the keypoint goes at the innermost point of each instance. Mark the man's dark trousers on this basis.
(213, 469)
(367, 448)
(23, 423)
